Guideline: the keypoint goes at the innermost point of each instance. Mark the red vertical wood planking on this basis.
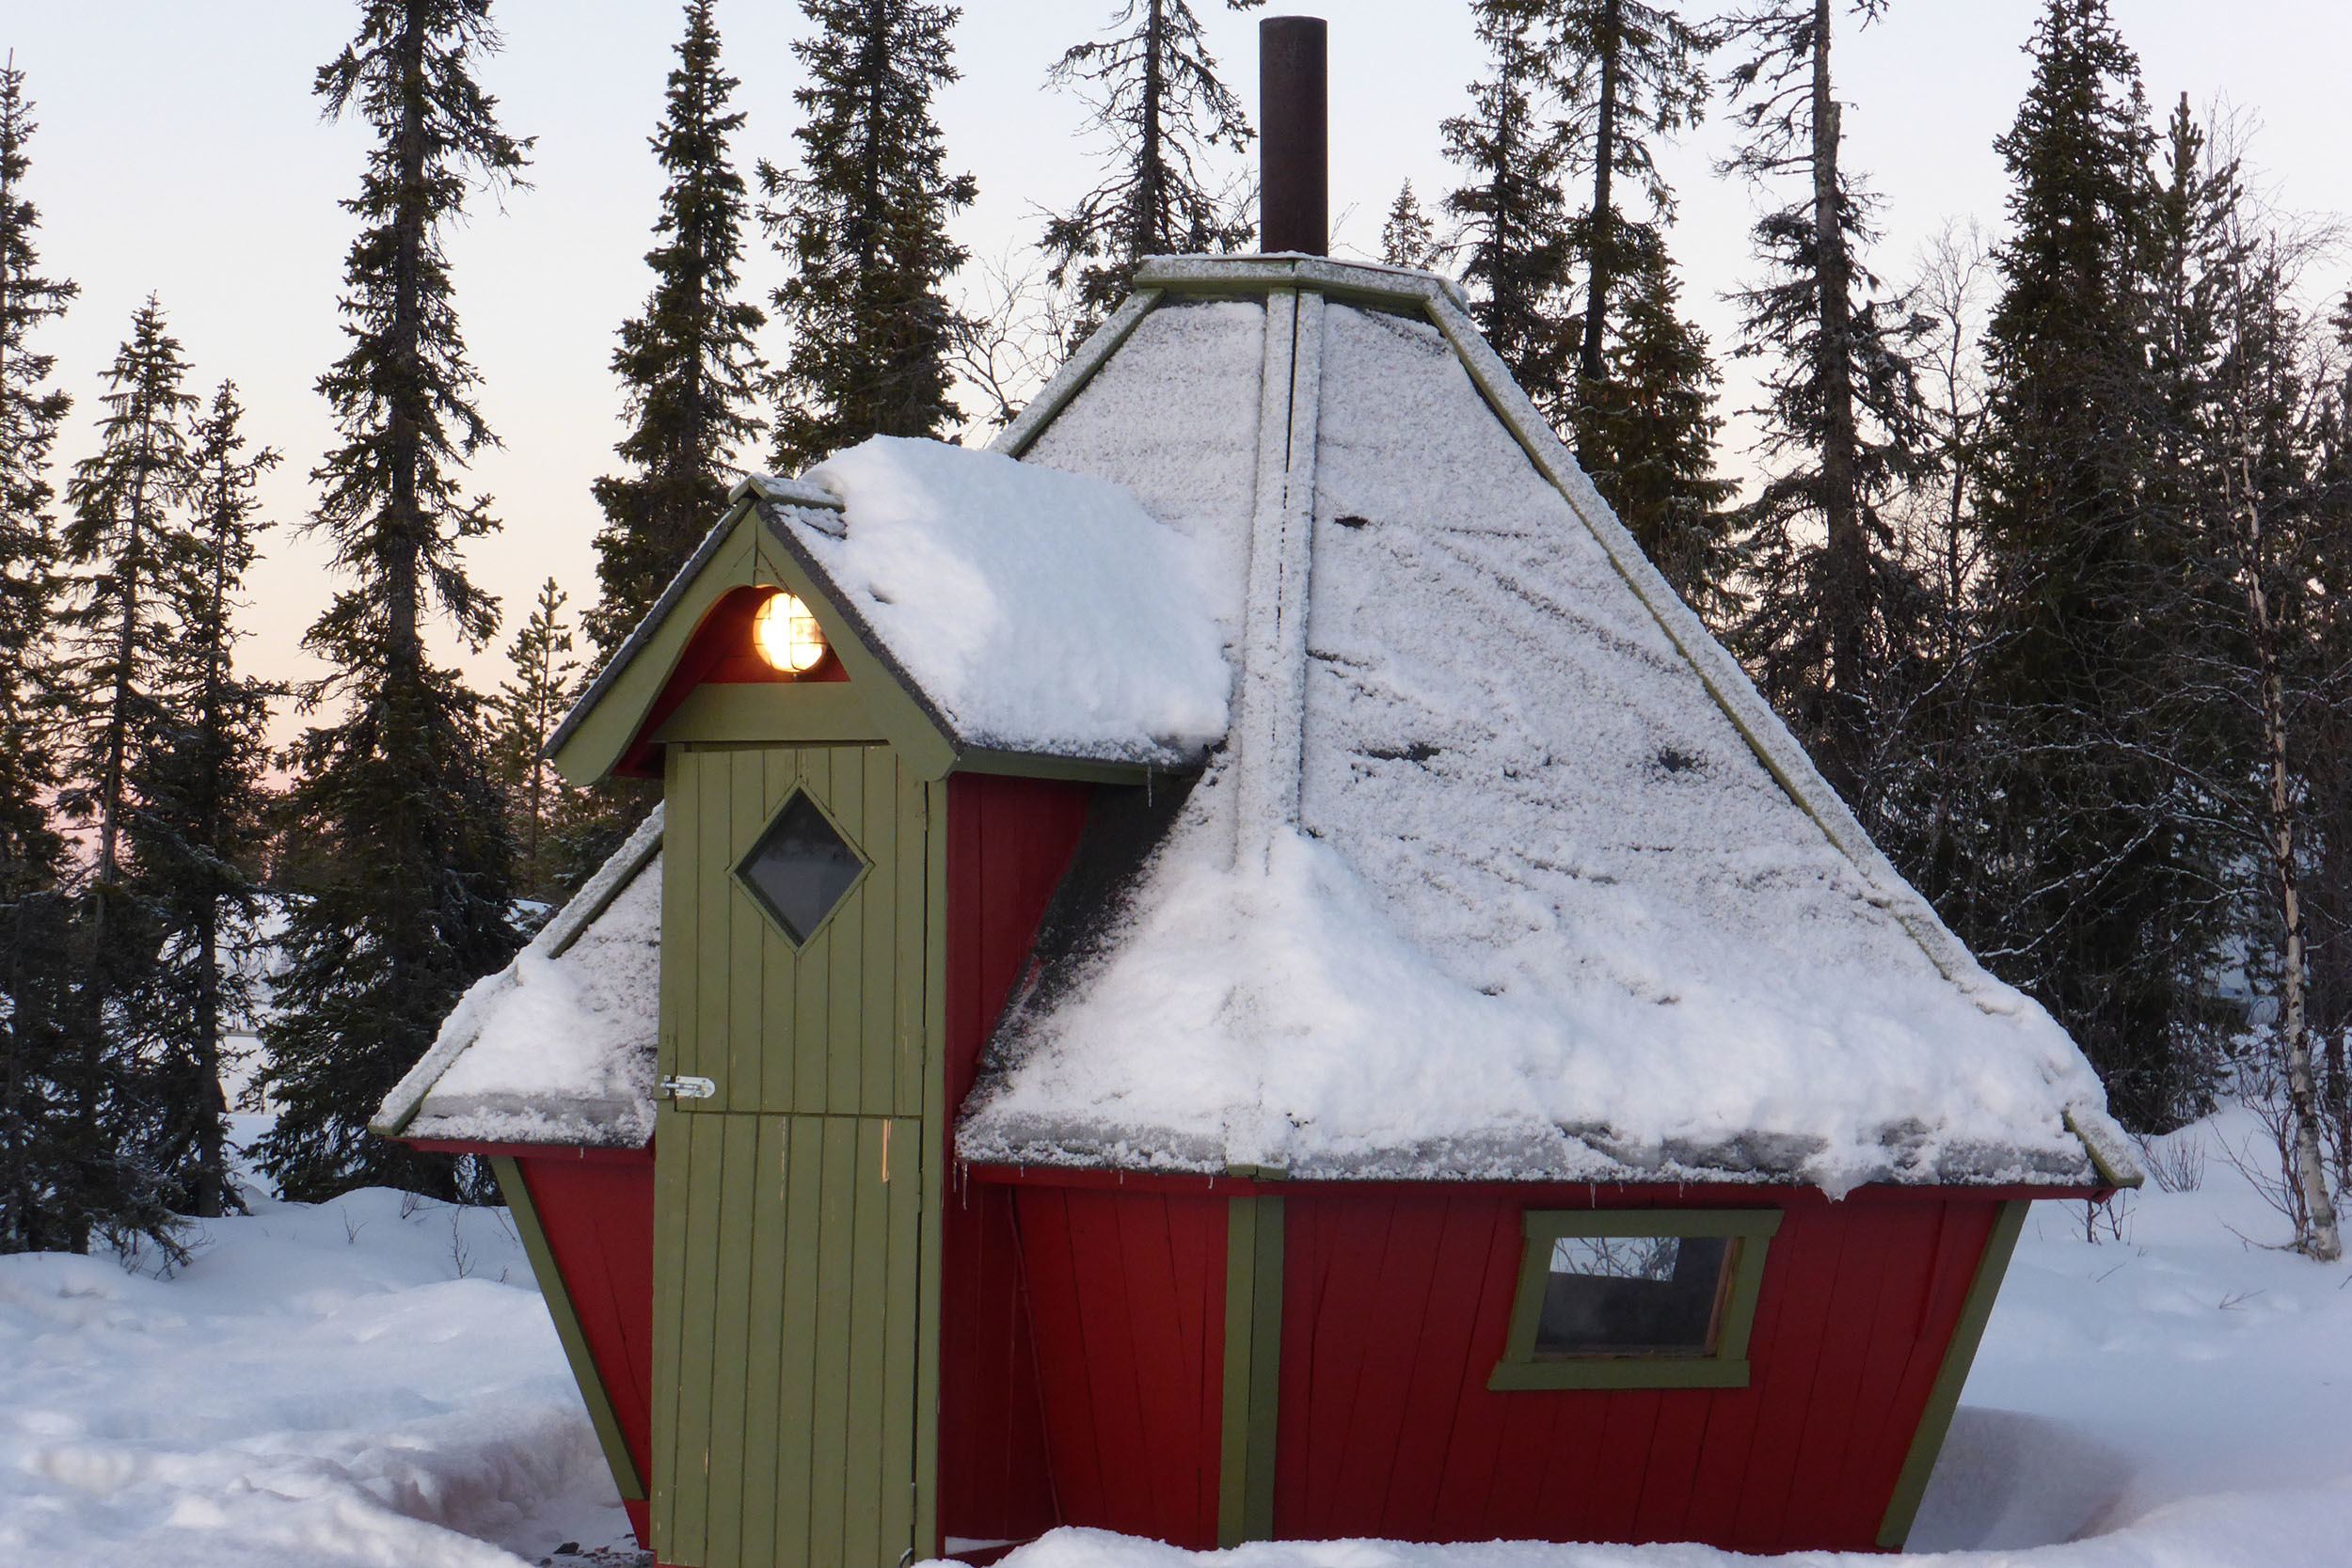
(1400, 1306)
(1907, 1245)
(1836, 1400)
(1439, 1367)
(1059, 1320)
(1126, 1362)
(1475, 1442)
(1672, 1469)
(1396, 1308)
(1009, 842)
(598, 1215)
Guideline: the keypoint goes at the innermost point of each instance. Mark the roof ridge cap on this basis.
(1271, 690)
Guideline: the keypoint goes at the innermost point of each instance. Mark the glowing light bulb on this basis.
(787, 635)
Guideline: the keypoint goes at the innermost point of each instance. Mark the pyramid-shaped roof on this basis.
(1504, 869)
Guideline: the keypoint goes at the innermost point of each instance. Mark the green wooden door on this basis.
(789, 1225)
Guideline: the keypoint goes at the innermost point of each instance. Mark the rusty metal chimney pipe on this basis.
(1294, 137)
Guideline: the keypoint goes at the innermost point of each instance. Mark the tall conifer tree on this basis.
(200, 815)
(1643, 419)
(525, 713)
(1407, 237)
(687, 364)
(1645, 433)
(1515, 242)
(1841, 398)
(125, 545)
(411, 897)
(863, 223)
(1161, 110)
(2101, 919)
(33, 957)
(1637, 76)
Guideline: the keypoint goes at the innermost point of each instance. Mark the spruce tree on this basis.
(1157, 103)
(409, 899)
(862, 225)
(1647, 431)
(1842, 400)
(125, 545)
(1407, 237)
(1516, 229)
(1643, 421)
(34, 964)
(1638, 77)
(525, 713)
(687, 364)
(2102, 915)
(200, 815)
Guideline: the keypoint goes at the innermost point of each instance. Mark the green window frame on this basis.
(1749, 1230)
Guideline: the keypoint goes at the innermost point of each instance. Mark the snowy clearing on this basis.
(346, 1385)
(321, 1386)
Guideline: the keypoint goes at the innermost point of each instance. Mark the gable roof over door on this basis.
(991, 615)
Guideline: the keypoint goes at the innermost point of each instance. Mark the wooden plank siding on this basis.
(1128, 1295)
(832, 1027)
(790, 1250)
(594, 1220)
(1396, 1307)
(1009, 842)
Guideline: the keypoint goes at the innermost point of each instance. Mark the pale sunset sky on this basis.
(181, 151)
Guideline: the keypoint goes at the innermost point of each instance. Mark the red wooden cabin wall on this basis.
(1128, 1292)
(1009, 842)
(597, 1214)
(1396, 1303)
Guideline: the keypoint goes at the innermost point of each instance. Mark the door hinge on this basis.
(687, 1087)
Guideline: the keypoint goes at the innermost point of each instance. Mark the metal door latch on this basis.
(688, 1087)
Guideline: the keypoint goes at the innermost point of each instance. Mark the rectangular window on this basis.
(1636, 1298)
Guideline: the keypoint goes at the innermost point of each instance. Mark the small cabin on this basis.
(1237, 967)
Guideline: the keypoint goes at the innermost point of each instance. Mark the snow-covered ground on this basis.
(368, 1382)
(347, 1384)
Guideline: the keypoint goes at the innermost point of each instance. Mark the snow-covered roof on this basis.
(1496, 865)
(1031, 610)
(559, 1046)
(1505, 870)
(1026, 612)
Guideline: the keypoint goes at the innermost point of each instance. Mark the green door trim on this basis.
(1252, 1371)
(558, 1296)
(1935, 1422)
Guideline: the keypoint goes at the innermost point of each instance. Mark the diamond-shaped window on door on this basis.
(801, 868)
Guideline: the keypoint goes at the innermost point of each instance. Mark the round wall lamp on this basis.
(787, 635)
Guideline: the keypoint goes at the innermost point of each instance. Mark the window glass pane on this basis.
(1620, 1295)
(799, 868)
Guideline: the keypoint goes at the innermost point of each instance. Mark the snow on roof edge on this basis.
(2086, 1124)
(1774, 746)
(464, 1023)
(779, 518)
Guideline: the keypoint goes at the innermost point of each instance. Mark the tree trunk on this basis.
(404, 427)
(1151, 233)
(2321, 1238)
(1846, 585)
(1602, 233)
